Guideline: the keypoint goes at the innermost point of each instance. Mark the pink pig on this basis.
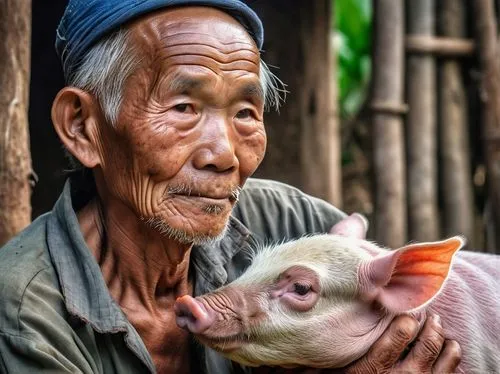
(323, 300)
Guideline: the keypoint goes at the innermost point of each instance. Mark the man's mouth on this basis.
(208, 198)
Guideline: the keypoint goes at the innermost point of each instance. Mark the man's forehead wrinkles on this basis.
(191, 46)
(223, 64)
(201, 74)
(197, 49)
(156, 46)
(195, 37)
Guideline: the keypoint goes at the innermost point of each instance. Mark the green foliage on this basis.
(353, 27)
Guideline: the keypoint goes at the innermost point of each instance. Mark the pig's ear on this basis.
(409, 277)
(355, 225)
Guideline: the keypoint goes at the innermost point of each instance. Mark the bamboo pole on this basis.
(421, 135)
(454, 147)
(15, 160)
(486, 34)
(389, 168)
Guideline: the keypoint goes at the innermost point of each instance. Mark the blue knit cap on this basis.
(86, 21)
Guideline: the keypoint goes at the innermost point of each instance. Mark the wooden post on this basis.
(486, 34)
(421, 129)
(454, 147)
(303, 139)
(320, 139)
(389, 167)
(15, 160)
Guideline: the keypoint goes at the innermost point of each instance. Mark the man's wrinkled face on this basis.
(190, 129)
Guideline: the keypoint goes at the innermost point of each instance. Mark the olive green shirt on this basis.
(57, 315)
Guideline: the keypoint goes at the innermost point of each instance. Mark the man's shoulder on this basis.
(25, 270)
(258, 186)
(265, 192)
(26, 253)
(274, 211)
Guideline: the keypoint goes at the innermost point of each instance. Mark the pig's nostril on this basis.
(181, 310)
(192, 315)
(183, 315)
(185, 320)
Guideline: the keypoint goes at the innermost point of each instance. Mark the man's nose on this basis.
(217, 147)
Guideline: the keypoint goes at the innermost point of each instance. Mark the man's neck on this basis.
(142, 269)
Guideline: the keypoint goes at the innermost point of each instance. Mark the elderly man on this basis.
(164, 112)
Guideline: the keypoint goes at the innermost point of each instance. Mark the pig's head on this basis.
(319, 301)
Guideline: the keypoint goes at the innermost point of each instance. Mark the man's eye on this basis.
(301, 289)
(184, 108)
(244, 114)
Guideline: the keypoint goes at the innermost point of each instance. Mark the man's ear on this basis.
(75, 116)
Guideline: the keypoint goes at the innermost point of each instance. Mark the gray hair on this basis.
(104, 70)
(109, 63)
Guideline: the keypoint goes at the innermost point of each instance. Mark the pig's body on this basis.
(322, 301)
(469, 306)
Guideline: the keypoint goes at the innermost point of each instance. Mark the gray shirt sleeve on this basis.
(274, 211)
(34, 333)
(21, 355)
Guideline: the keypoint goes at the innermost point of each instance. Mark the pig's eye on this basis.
(301, 289)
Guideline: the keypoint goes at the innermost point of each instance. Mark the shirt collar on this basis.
(83, 286)
(210, 261)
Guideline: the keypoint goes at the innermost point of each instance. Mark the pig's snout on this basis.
(192, 315)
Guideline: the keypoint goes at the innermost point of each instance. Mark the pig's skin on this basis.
(250, 320)
(469, 306)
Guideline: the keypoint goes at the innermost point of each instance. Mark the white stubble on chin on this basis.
(182, 236)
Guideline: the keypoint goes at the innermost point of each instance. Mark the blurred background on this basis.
(392, 110)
